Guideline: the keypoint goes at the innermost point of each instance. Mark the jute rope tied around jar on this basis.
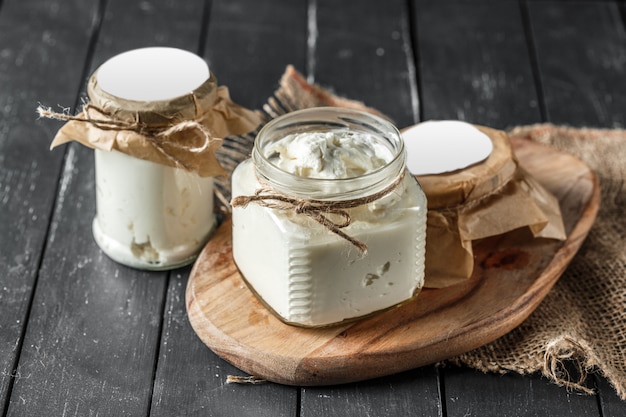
(317, 210)
(181, 132)
(153, 133)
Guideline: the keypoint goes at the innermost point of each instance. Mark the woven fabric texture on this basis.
(581, 324)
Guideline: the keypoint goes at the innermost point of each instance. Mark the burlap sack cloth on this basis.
(583, 319)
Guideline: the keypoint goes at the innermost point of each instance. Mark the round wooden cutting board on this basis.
(512, 274)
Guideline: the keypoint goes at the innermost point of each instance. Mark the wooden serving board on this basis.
(512, 274)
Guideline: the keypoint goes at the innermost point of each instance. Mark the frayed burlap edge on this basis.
(581, 324)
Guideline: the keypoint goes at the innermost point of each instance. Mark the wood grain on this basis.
(513, 273)
(92, 339)
(571, 42)
(29, 172)
(475, 66)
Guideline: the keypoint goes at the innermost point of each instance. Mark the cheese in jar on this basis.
(328, 225)
(150, 215)
(155, 118)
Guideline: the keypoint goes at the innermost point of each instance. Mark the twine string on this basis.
(156, 134)
(318, 210)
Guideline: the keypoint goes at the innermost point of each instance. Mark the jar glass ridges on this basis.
(300, 269)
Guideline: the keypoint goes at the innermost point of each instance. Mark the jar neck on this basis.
(188, 106)
(329, 119)
(153, 86)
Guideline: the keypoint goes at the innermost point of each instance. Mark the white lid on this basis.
(152, 74)
(435, 147)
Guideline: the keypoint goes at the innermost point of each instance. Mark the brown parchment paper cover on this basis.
(184, 132)
(486, 199)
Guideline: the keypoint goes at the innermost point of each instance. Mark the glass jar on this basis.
(150, 215)
(318, 250)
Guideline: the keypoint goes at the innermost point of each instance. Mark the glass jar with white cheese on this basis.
(150, 215)
(328, 225)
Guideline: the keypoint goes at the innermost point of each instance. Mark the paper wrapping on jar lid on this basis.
(183, 132)
(486, 199)
(452, 224)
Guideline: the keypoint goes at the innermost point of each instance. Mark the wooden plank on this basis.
(192, 380)
(362, 50)
(130, 25)
(474, 63)
(471, 393)
(35, 51)
(248, 50)
(477, 67)
(250, 44)
(610, 403)
(94, 329)
(407, 394)
(581, 55)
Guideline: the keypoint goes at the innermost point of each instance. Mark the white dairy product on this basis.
(333, 154)
(151, 216)
(307, 275)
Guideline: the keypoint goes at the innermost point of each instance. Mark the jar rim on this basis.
(155, 73)
(331, 118)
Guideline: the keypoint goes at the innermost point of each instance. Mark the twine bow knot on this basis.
(155, 133)
(318, 210)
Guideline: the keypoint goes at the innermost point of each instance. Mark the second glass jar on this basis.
(331, 228)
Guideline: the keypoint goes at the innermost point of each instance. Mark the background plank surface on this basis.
(581, 55)
(81, 335)
(53, 43)
(94, 327)
(476, 67)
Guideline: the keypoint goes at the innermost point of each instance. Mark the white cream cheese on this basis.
(333, 154)
(309, 276)
(150, 216)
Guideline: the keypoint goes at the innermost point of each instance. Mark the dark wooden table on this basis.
(83, 336)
